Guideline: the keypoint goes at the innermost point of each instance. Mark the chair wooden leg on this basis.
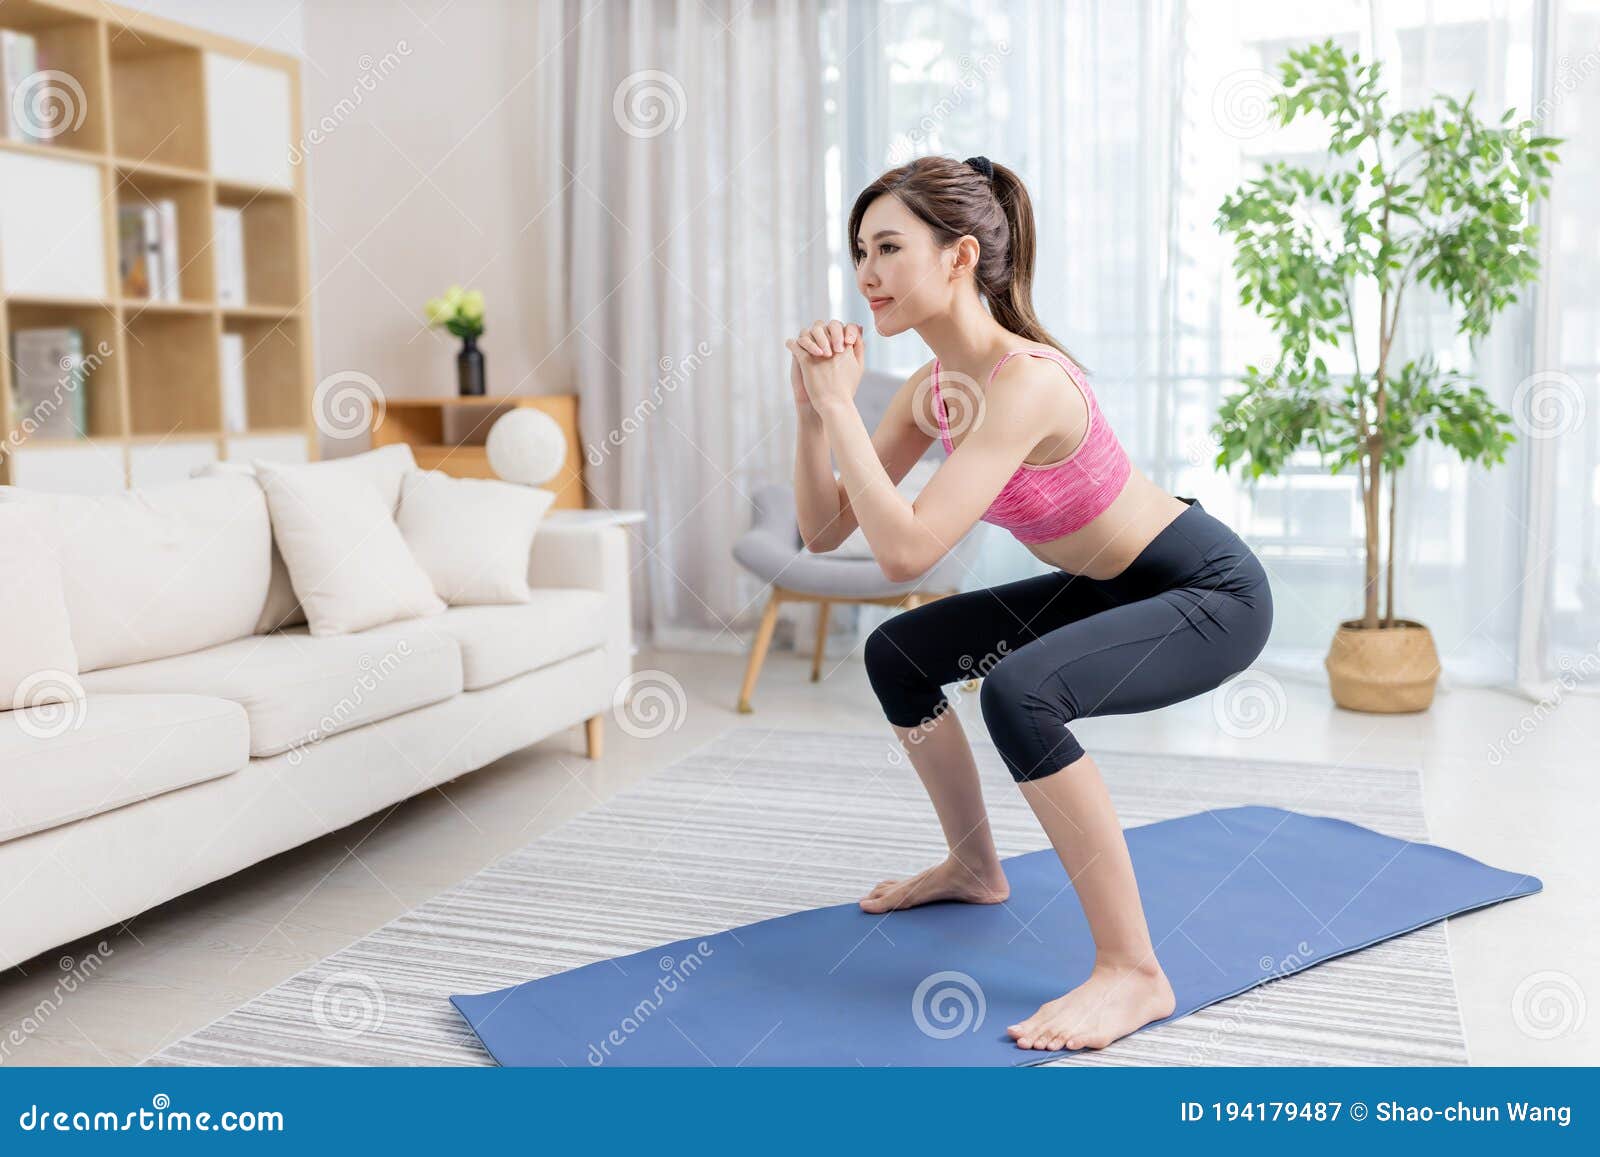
(758, 651)
(593, 733)
(822, 640)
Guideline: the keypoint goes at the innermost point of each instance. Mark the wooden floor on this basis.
(1524, 977)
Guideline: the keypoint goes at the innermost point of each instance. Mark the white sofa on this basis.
(178, 768)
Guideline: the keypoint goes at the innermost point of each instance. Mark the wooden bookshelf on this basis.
(155, 109)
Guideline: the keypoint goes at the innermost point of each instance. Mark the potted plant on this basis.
(1433, 196)
(461, 312)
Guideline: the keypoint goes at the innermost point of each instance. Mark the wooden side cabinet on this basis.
(448, 434)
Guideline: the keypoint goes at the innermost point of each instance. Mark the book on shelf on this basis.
(147, 250)
(228, 244)
(167, 242)
(235, 412)
(19, 59)
(48, 378)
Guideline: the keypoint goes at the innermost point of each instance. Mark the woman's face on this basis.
(902, 274)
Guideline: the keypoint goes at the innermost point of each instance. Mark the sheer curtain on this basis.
(683, 225)
(1130, 123)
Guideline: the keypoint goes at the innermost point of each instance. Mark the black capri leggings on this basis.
(1192, 610)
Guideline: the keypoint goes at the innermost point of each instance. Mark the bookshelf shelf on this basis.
(271, 369)
(169, 439)
(101, 414)
(166, 113)
(149, 168)
(272, 276)
(157, 87)
(172, 373)
(273, 312)
(31, 148)
(74, 443)
(50, 300)
(66, 90)
(138, 306)
(139, 191)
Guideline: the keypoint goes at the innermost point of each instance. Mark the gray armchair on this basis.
(773, 551)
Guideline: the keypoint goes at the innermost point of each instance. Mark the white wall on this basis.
(420, 148)
(418, 183)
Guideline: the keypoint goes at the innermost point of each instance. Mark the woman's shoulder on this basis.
(1030, 389)
(1034, 369)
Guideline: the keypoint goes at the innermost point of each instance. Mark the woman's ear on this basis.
(966, 259)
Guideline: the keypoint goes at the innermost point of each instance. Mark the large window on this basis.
(1130, 123)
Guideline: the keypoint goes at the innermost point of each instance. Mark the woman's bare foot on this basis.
(1109, 1005)
(947, 880)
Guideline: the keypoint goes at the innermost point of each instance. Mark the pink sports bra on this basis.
(1043, 502)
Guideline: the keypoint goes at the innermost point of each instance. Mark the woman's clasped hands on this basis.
(827, 363)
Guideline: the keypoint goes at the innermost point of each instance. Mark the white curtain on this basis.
(683, 239)
(1130, 123)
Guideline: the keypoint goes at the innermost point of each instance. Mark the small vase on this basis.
(469, 368)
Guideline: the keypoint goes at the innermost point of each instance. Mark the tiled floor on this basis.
(1524, 973)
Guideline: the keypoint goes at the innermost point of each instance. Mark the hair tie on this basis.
(983, 165)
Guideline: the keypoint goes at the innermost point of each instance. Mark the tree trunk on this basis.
(1388, 599)
(1374, 464)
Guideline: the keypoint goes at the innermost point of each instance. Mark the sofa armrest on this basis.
(590, 558)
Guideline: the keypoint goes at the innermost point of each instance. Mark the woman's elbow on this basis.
(903, 570)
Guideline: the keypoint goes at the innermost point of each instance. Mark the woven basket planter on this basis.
(1387, 670)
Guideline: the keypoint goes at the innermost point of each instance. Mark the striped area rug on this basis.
(760, 822)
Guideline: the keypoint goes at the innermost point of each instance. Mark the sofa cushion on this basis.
(109, 750)
(471, 536)
(37, 661)
(159, 570)
(350, 567)
(297, 689)
(501, 642)
(383, 467)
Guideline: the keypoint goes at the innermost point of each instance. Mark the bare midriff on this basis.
(1103, 548)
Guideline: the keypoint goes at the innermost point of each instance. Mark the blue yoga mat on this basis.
(1234, 897)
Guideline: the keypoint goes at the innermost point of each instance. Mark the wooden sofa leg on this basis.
(758, 650)
(593, 732)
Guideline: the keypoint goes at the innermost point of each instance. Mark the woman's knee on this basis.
(1027, 724)
(884, 654)
(907, 694)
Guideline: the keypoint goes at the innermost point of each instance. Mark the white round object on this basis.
(526, 446)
